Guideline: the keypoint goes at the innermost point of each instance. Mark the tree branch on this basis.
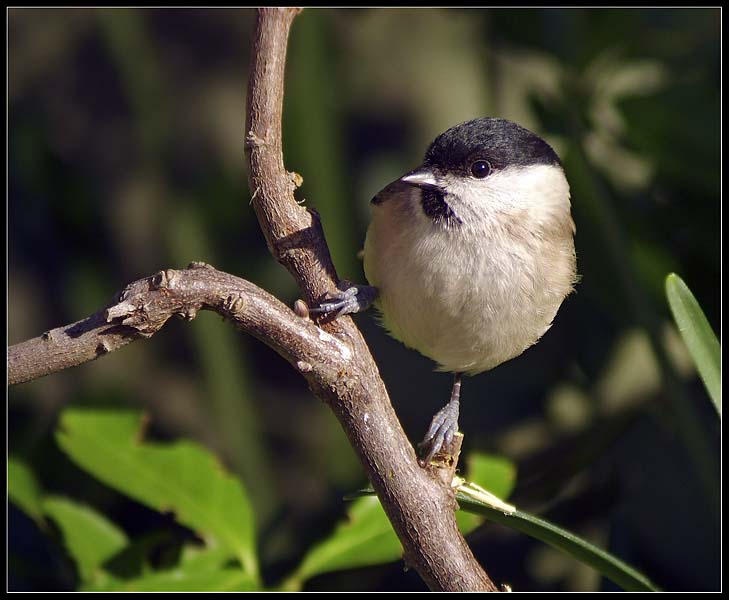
(419, 507)
(143, 307)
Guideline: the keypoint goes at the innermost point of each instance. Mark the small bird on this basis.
(470, 255)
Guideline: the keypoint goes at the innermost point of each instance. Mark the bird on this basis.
(469, 256)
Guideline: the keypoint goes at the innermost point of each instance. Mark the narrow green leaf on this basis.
(183, 477)
(90, 538)
(24, 490)
(364, 538)
(181, 580)
(608, 565)
(698, 335)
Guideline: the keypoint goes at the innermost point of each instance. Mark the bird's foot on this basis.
(440, 433)
(350, 298)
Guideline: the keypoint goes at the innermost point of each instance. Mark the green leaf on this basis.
(182, 580)
(90, 538)
(182, 477)
(494, 473)
(698, 335)
(608, 565)
(364, 538)
(24, 490)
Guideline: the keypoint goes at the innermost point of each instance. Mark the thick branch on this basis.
(420, 507)
(144, 306)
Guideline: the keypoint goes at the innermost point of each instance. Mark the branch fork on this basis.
(332, 356)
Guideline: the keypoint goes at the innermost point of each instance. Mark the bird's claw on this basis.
(350, 298)
(441, 431)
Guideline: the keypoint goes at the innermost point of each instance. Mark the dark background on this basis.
(125, 155)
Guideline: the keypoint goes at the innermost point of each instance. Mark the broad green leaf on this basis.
(608, 565)
(24, 490)
(181, 580)
(364, 538)
(90, 538)
(182, 477)
(494, 473)
(698, 335)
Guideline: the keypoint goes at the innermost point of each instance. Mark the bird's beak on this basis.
(422, 177)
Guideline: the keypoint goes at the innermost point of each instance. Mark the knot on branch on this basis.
(234, 305)
(123, 309)
(296, 179)
(164, 279)
(253, 141)
(301, 309)
(188, 314)
(134, 316)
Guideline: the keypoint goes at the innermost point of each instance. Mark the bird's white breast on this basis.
(474, 295)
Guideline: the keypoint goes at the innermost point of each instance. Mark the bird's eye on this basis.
(480, 169)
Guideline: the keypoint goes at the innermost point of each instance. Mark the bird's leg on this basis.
(350, 298)
(444, 424)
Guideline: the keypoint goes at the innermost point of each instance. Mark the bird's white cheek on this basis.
(539, 194)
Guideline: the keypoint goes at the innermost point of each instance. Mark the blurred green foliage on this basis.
(125, 155)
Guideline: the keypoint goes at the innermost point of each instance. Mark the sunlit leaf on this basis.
(698, 335)
(494, 473)
(181, 477)
(608, 565)
(364, 538)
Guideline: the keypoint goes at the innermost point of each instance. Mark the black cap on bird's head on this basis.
(499, 142)
(462, 157)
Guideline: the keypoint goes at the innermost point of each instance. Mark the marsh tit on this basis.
(470, 255)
